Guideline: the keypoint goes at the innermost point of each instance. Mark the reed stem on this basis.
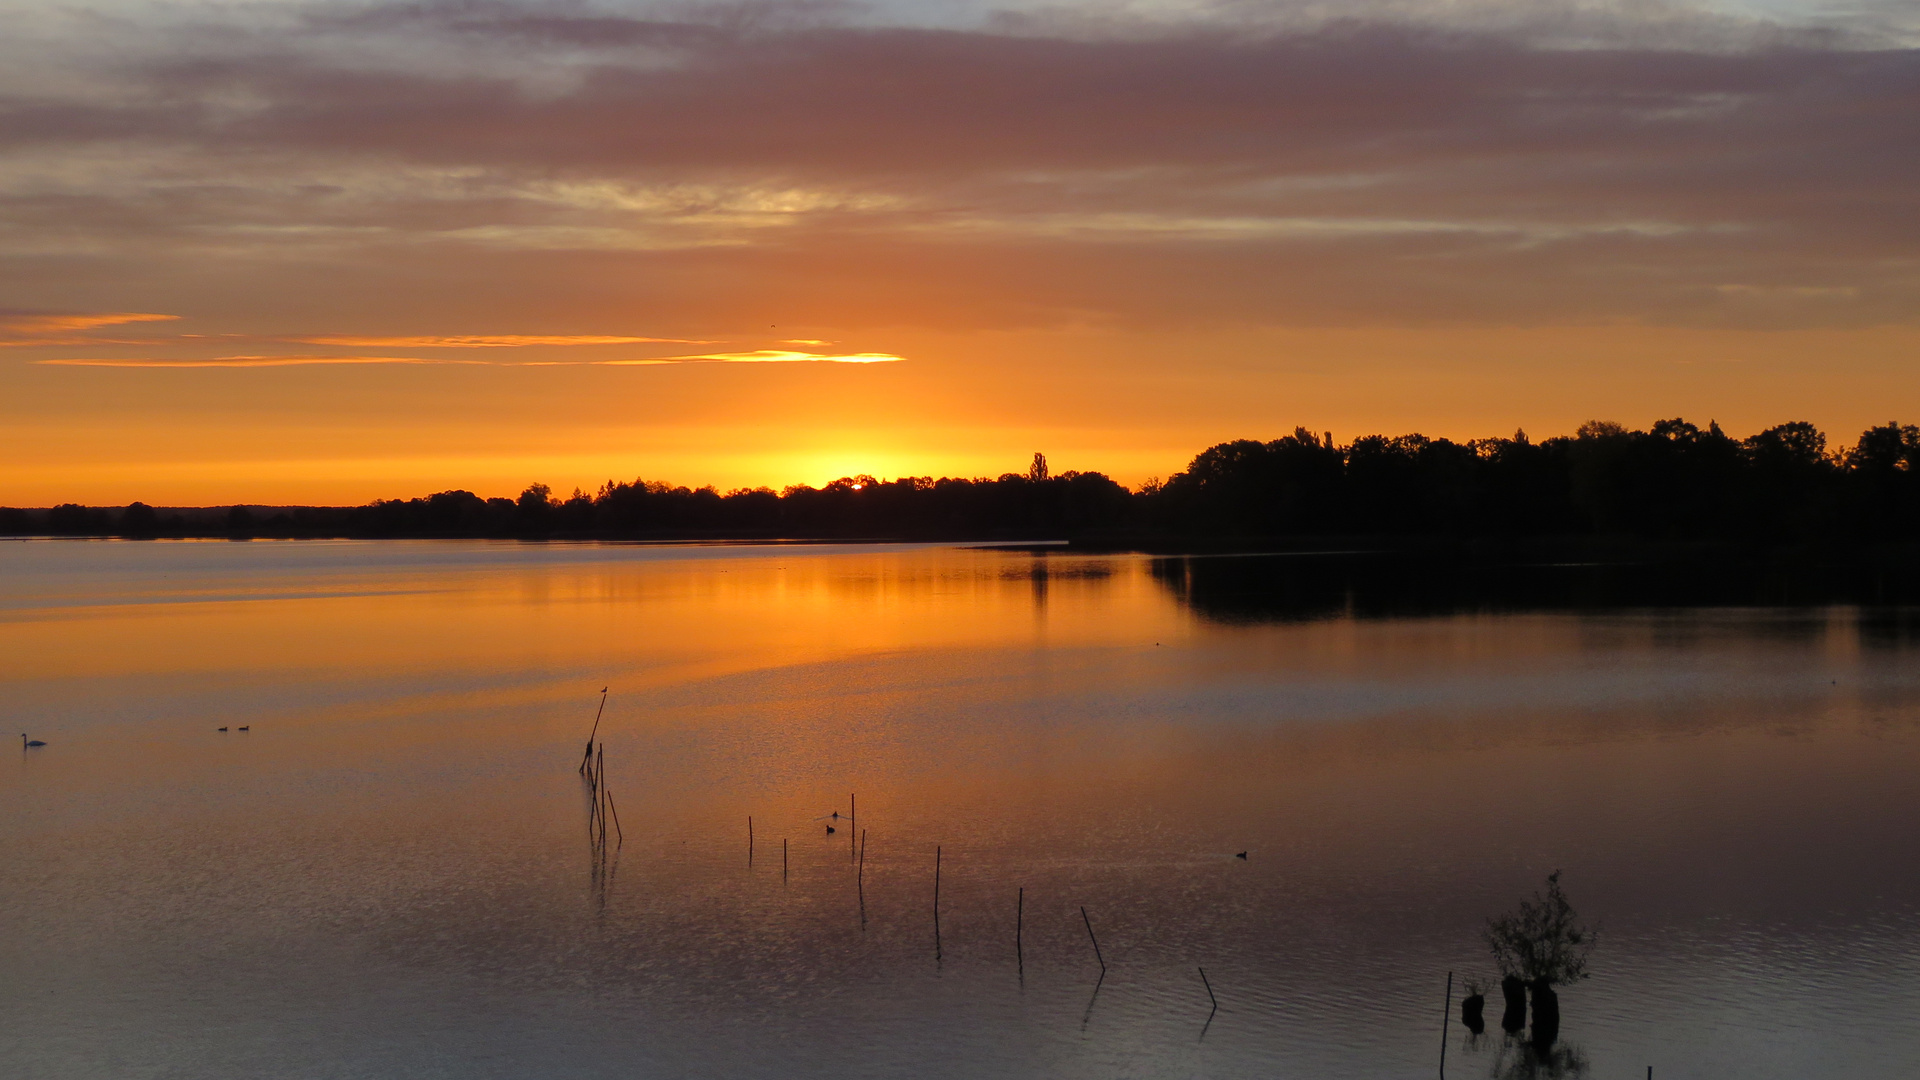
(596, 729)
(1019, 924)
(618, 831)
(1096, 942)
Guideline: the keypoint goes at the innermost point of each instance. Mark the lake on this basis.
(392, 872)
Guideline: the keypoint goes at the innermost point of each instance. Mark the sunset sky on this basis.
(283, 251)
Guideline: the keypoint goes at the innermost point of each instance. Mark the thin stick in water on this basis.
(936, 902)
(594, 810)
(596, 728)
(1445, 1015)
(1211, 1013)
(1096, 942)
(783, 857)
(618, 831)
(1019, 924)
(749, 839)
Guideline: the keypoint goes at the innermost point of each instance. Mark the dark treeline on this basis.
(1014, 505)
(1673, 482)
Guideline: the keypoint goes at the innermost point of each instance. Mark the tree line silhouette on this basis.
(1674, 481)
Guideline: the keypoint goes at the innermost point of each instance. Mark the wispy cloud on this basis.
(758, 356)
(486, 341)
(29, 323)
(764, 356)
(74, 339)
(249, 361)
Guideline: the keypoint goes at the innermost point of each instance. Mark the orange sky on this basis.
(314, 252)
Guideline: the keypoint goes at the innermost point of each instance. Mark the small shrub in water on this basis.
(1541, 944)
(1542, 941)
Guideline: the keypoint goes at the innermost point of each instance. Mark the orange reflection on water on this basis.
(404, 821)
(658, 613)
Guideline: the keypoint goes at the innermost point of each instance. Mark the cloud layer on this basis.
(1251, 163)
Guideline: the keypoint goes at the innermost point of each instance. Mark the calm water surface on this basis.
(390, 875)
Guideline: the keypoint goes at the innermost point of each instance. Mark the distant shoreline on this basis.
(1672, 485)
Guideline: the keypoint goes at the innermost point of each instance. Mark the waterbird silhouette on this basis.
(244, 727)
(220, 729)
(1242, 855)
(26, 742)
(829, 829)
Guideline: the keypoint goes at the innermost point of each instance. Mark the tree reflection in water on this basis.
(1520, 1059)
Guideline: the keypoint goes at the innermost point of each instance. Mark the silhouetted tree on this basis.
(536, 507)
(1791, 490)
(1884, 473)
(1289, 485)
(72, 519)
(139, 519)
(1411, 484)
(1543, 944)
(575, 515)
(456, 513)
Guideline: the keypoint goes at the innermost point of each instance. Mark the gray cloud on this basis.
(1024, 169)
